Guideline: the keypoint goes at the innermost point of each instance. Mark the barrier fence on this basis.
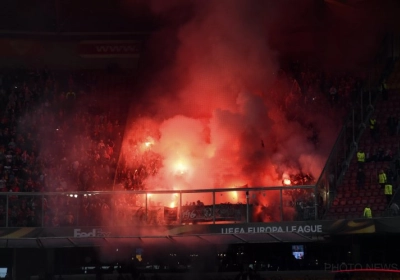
(169, 207)
(356, 123)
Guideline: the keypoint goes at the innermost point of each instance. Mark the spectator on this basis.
(361, 158)
(395, 209)
(373, 127)
(388, 192)
(382, 179)
(367, 212)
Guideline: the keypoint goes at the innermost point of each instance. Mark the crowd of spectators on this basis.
(62, 132)
(372, 178)
(321, 93)
(59, 132)
(322, 88)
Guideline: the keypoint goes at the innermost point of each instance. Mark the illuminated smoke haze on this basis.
(217, 114)
(218, 108)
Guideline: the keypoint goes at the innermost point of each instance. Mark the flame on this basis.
(234, 196)
(286, 179)
(174, 203)
(181, 168)
(287, 182)
(147, 144)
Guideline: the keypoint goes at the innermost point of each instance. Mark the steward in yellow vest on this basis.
(360, 158)
(388, 192)
(367, 212)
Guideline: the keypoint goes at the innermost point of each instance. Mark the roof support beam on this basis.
(72, 242)
(275, 237)
(244, 241)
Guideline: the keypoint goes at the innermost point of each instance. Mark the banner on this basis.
(170, 214)
(223, 212)
(105, 49)
(57, 53)
(305, 228)
(21, 48)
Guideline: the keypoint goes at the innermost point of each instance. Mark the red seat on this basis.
(357, 201)
(349, 216)
(350, 202)
(353, 209)
(343, 202)
(364, 201)
(335, 203)
(374, 207)
(373, 187)
(371, 200)
(339, 210)
(346, 209)
(339, 195)
(381, 208)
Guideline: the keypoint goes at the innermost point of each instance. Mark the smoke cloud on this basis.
(225, 108)
(219, 107)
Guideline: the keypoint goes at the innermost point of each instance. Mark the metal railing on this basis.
(355, 125)
(130, 208)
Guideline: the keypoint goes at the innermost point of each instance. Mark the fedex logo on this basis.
(79, 233)
(93, 233)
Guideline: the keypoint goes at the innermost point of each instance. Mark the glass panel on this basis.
(60, 210)
(156, 204)
(231, 206)
(3, 210)
(128, 209)
(231, 197)
(266, 206)
(324, 186)
(197, 208)
(94, 209)
(24, 211)
(298, 204)
(162, 208)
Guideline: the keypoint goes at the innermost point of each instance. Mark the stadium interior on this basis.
(226, 139)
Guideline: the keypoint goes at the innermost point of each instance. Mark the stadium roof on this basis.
(127, 15)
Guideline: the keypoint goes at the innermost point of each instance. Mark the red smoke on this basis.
(218, 117)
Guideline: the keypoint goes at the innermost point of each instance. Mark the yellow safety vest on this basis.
(361, 156)
(388, 189)
(367, 212)
(382, 178)
(372, 123)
